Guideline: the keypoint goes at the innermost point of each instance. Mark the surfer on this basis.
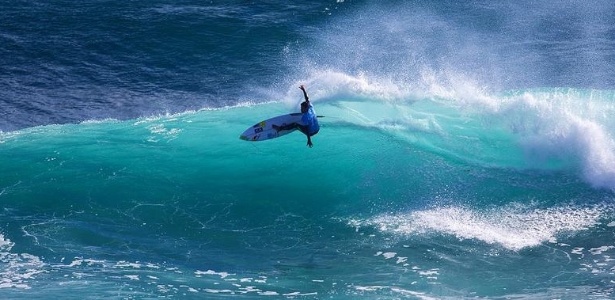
(309, 122)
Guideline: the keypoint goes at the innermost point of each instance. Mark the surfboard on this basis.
(264, 130)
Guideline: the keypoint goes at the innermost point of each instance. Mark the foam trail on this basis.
(513, 227)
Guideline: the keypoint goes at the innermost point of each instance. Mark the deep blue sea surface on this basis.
(467, 150)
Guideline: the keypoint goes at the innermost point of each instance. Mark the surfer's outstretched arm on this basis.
(304, 93)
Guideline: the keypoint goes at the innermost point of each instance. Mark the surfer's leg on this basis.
(285, 127)
(304, 129)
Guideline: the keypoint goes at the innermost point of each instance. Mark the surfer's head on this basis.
(304, 107)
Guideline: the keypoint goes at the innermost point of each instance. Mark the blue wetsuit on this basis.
(310, 122)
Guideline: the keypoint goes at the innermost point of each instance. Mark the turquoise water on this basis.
(466, 151)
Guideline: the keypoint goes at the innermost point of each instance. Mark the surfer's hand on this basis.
(301, 87)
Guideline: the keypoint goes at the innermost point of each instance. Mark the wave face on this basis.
(465, 150)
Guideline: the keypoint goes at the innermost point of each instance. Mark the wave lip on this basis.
(513, 227)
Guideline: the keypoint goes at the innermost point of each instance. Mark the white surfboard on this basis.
(264, 130)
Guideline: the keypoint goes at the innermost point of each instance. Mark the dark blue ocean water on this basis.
(467, 150)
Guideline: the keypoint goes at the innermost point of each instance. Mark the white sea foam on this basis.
(512, 227)
(5, 136)
(17, 269)
(600, 250)
(211, 272)
(132, 277)
(159, 131)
